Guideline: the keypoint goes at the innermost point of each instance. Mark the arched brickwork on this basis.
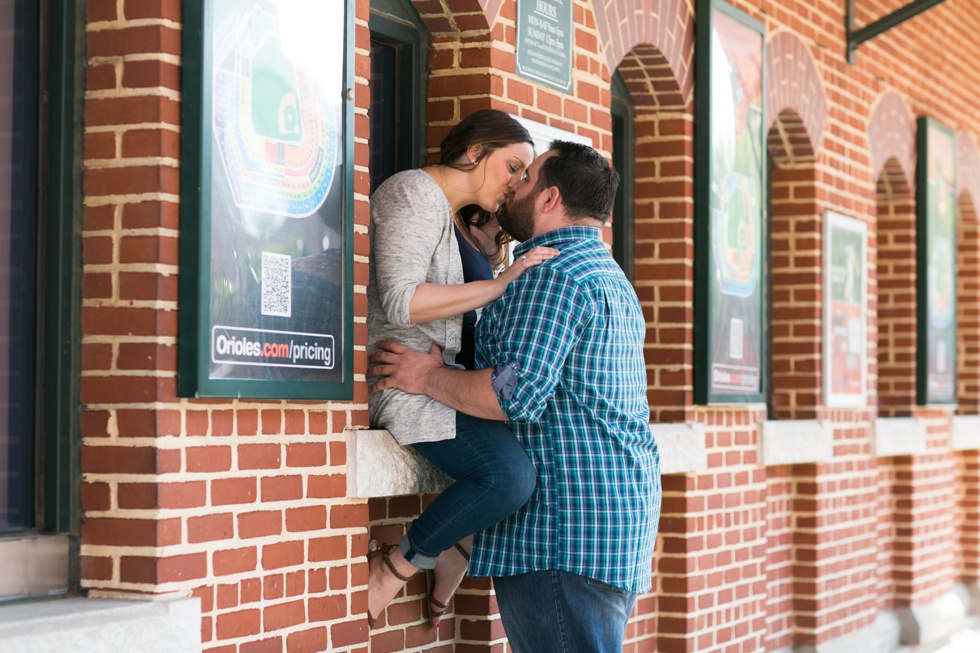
(967, 166)
(797, 106)
(450, 17)
(643, 71)
(891, 137)
(625, 26)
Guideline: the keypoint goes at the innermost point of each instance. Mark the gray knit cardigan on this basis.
(412, 242)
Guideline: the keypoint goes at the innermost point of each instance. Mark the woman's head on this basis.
(494, 150)
(486, 129)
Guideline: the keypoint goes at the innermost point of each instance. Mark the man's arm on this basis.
(468, 391)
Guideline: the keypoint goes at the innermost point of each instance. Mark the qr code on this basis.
(277, 284)
(736, 339)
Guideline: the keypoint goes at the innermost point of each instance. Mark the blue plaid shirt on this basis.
(566, 340)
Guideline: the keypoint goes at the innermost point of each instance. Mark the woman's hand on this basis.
(485, 236)
(529, 259)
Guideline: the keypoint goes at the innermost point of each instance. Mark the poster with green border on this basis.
(936, 263)
(730, 201)
(266, 276)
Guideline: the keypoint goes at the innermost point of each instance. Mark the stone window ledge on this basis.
(899, 436)
(83, 625)
(966, 432)
(377, 466)
(790, 442)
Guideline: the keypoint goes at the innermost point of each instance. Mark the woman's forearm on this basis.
(434, 301)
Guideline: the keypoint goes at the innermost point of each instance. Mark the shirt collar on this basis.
(558, 235)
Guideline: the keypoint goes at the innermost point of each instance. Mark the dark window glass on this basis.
(399, 49)
(623, 158)
(18, 234)
(384, 111)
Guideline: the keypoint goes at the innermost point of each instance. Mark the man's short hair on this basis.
(584, 178)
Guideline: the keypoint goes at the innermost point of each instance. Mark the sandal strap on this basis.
(436, 602)
(386, 558)
(463, 552)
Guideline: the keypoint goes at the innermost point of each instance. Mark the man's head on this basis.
(569, 184)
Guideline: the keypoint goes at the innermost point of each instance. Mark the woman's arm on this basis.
(434, 301)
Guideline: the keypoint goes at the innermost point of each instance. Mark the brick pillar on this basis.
(835, 542)
(968, 509)
(710, 575)
(664, 259)
(896, 294)
(795, 265)
(968, 309)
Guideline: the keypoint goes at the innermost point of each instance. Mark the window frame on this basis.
(56, 534)
(397, 23)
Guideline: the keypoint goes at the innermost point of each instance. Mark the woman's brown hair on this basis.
(489, 128)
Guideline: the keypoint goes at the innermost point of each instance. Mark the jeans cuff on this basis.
(412, 554)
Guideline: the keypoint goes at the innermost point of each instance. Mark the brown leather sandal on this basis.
(385, 552)
(435, 615)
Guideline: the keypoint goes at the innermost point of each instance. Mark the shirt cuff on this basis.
(504, 380)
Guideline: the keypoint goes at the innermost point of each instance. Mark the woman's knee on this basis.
(518, 482)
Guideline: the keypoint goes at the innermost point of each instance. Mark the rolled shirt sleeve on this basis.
(531, 332)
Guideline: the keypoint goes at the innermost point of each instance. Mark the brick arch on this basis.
(450, 17)
(891, 140)
(646, 73)
(967, 166)
(789, 141)
(656, 36)
(795, 95)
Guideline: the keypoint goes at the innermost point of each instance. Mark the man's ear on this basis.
(552, 199)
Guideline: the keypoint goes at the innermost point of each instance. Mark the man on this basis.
(562, 360)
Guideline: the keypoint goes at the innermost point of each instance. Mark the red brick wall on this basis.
(243, 503)
(240, 503)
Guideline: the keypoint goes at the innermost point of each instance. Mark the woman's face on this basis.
(497, 173)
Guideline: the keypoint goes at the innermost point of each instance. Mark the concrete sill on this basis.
(81, 625)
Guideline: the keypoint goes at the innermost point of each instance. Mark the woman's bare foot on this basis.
(451, 566)
(388, 571)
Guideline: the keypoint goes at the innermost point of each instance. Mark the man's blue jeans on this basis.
(494, 477)
(560, 612)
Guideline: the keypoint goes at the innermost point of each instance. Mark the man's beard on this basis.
(516, 217)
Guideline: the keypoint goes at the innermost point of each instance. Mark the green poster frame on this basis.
(194, 378)
(707, 318)
(927, 239)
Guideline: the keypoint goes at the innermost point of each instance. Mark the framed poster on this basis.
(266, 275)
(935, 200)
(845, 311)
(730, 192)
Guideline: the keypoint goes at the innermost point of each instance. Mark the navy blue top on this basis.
(476, 267)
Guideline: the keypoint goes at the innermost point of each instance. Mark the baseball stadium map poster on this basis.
(845, 313)
(936, 263)
(266, 246)
(729, 205)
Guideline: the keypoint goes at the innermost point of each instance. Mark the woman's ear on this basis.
(473, 153)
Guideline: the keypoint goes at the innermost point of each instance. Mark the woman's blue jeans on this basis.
(493, 478)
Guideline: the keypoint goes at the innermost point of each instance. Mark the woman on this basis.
(417, 295)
